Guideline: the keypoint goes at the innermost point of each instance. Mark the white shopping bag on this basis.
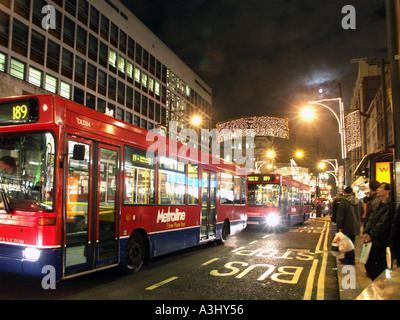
(366, 248)
(341, 243)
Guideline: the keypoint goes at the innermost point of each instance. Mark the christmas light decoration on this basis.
(353, 130)
(264, 126)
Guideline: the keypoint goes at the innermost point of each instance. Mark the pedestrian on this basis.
(378, 230)
(348, 220)
(371, 200)
(335, 205)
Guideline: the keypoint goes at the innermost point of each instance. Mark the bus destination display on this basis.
(18, 112)
(262, 178)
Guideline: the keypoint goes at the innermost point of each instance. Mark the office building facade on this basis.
(97, 53)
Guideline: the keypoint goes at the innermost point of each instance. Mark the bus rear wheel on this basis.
(134, 254)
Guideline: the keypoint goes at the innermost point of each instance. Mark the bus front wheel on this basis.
(134, 254)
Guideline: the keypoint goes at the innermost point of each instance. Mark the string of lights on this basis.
(253, 126)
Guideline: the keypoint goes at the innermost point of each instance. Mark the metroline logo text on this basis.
(170, 216)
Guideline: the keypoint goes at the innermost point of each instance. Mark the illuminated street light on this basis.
(299, 154)
(196, 120)
(307, 113)
(321, 165)
(270, 154)
(340, 119)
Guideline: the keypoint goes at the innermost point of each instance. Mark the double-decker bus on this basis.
(80, 192)
(274, 200)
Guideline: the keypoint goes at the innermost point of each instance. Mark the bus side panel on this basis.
(235, 214)
(170, 241)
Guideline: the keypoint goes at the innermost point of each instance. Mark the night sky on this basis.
(268, 57)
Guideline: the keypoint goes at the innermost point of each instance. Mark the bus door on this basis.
(91, 219)
(301, 203)
(208, 205)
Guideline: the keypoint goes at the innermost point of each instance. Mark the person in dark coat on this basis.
(371, 200)
(348, 220)
(378, 230)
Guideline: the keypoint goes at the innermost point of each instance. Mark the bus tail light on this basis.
(47, 221)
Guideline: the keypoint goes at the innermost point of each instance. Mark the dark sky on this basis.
(268, 57)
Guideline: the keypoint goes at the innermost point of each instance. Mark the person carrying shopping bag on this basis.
(377, 230)
(348, 220)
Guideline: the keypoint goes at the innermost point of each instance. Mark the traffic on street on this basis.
(255, 264)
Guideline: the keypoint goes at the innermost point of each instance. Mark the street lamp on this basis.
(340, 119)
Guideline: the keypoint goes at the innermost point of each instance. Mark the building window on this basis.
(137, 77)
(144, 81)
(121, 64)
(20, 38)
(69, 32)
(120, 114)
(112, 58)
(157, 88)
(35, 77)
(114, 35)
(102, 83)
(93, 47)
(129, 69)
(67, 63)
(112, 87)
(50, 83)
(128, 116)
(122, 41)
(94, 19)
(65, 90)
(17, 69)
(3, 62)
(104, 27)
(103, 55)
(81, 39)
(80, 70)
(79, 95)
(121, 93)
(90, 101)
(129, 97)
(37, 47)
(22, 7)
(53, 54)
(91, 77)
(4, 29)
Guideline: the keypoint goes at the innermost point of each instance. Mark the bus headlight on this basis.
(272, 219)
(32, 254)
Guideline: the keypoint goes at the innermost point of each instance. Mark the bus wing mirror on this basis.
(79, 152)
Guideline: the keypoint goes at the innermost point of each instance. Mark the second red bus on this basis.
(277, 201)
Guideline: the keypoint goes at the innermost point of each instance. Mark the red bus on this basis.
(275, 200)
(80, 193)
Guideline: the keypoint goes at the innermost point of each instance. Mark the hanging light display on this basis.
(253, 126)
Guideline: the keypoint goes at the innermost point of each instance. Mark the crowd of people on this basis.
(376, 218)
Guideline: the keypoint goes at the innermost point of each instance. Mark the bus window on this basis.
(227, 188)
(193, 184)
(172, 182)
(263, 195)
(27, 171)
(139, 177)
(239, 190)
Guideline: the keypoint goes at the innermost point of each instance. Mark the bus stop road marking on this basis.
(210, 261)
(157, 285)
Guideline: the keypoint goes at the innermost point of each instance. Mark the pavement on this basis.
(350, 288)
(354, 284)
